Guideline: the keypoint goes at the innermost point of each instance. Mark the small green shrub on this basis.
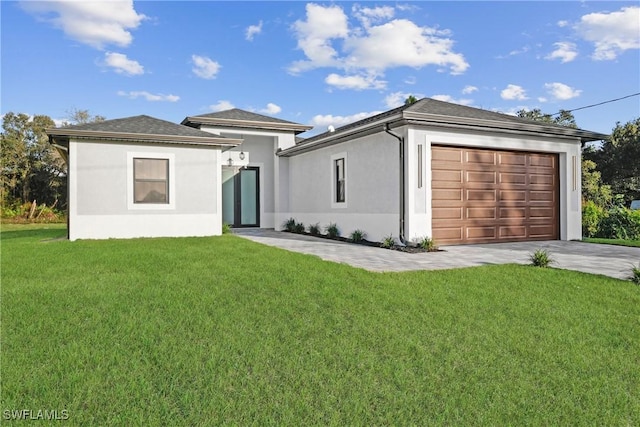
(357, 236)
(289, 225)
(332, 230)
(314, 229)
(635, 274)
(226, 228)
(388, 242)
(540, 258)
(428, 244)
(299, 228)
(620, 223)
(592, 215)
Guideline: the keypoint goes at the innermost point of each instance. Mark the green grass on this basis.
(208, 331)
(619, 242)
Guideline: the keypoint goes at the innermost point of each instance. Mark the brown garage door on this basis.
(481, 196)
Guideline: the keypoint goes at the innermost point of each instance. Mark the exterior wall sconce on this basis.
(241, 155)
(230, 161)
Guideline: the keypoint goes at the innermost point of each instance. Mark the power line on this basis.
(595, 105)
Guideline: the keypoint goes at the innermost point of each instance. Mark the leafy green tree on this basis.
(619, 160)
(80, 117)
(410, 100)
(31, 168)
(563, 118)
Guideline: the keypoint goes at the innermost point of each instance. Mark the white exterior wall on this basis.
(101, 192)
(259, 147)
(418, 202)
(372, 186)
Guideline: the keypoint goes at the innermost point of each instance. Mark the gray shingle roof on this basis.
(140, 129)
(244, 120)
(457, 112)
(238, 114)
(142, 124)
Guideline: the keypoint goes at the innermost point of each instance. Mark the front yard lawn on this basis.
(209, 331)
(619, 242)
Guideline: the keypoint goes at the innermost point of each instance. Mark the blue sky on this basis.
(319, 63)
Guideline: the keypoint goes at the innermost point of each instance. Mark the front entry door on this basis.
(241, 196)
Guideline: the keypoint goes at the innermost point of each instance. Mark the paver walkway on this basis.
(614, 261)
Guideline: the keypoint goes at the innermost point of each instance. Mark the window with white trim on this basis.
(339, 189)
(340, 180)
(151, 180)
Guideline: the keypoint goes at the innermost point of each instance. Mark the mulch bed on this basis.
(407, 249)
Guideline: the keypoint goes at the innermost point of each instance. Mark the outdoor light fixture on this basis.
(241, 155)
(230, 161)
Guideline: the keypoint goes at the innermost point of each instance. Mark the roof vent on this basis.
(331, 128)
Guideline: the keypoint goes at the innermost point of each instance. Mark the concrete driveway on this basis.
(609, 260)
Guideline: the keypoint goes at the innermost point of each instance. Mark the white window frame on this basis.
(334, 204)
(131, 204)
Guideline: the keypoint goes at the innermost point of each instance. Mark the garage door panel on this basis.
(481, 213)
(447, 155)
(481, 195)
(511, 212)
(448, 194)
(541, 195)
(513, 232)
(515, 196)
(542, 160)
(481, 177)
(442, 176)
(478, 156)
(538, 179)
(542, 231)
(512, 178)
(512, 159)
(504, 196)
(447, 213)
(481, 233)
(445, 234)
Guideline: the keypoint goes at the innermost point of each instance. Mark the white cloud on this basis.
(149, 96)
(561, 91)
(448, 98)
(562, 24)
(396, 99)
(401, 43)
(356, 82)
(337, 121)
(253, 30)
(221, 105)
(411, 80)
(469, 89)
(368, 15)
(565, 51)
(611, 33)
(95, 23)
(513, 92)
(204, 67)
(315, 34)
(271, 109)
(542, 99)
(123, 65)
(374, 48)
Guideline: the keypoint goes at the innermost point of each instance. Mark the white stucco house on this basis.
(459, 174)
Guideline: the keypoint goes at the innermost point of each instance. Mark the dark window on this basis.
(340, 181)
(151, 181)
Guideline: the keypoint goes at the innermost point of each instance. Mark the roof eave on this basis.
(585, 136)
(142, 137)
(213, 121)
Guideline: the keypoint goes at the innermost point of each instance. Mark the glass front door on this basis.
(241, 196)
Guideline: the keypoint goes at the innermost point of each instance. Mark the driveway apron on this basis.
(609, 260)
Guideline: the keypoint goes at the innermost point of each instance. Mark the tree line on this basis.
(31, 168)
